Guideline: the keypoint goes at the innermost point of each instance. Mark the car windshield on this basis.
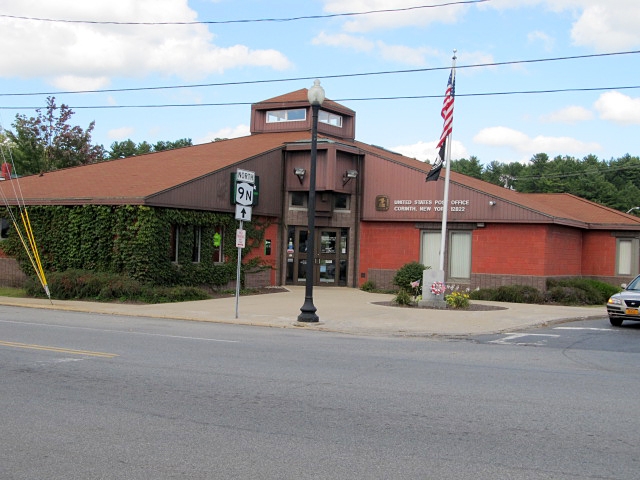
(635, 284)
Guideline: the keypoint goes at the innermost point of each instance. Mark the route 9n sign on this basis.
(243, 191)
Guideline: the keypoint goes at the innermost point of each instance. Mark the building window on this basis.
(5, 224)
(460, 255)
(174, 243)
(298, 199)
(196, 245)
(342, 201)
(431, 250)
(330, 118)
(627, 256)
(218, 245)
(294, 115)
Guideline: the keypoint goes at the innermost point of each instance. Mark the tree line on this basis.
(613, 183)
(48, 142)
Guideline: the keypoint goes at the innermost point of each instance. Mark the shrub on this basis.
(568, 296)
(457, 300)
(368, 286)
(591, 292)
(408, 273)
(510, 293)
(107, 287)
(403, 297)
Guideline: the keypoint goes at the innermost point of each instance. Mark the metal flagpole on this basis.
(447, 159)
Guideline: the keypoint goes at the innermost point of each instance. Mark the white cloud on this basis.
(522, 143)
(571, 114)
(358, 44)
(228, 132)
(618, 108)
(415, 17)
(424, 151)
(120, 133)
(538, 36)
(601, 25)
(608, 26)
(78, 55)
(406, 55)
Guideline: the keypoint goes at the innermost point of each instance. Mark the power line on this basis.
(255, 20)
(324, 77)
(364, 99)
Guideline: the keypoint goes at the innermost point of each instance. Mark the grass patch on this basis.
(13, 292)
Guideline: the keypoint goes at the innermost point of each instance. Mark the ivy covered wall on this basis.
(135, 241)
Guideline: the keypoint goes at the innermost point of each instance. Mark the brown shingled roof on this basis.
(300, 96)
(130, 180)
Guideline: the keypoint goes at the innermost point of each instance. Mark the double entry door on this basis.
(328, 264)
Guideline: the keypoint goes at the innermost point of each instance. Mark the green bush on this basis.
(403, 297)
(458, 300)
(108, 287)
(368, 286)
(579, 290)
(509, 293)
(408, 273)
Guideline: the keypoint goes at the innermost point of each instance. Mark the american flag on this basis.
(447, 110)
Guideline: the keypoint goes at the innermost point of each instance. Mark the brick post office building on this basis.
(374, 211)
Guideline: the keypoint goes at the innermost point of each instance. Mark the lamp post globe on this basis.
(308, 309)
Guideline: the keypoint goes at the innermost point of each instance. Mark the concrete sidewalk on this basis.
(341, 309)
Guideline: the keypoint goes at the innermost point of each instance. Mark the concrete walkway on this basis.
(341, 309)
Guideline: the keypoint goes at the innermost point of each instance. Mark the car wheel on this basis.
(616, 322)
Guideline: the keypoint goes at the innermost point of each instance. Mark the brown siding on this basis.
(411, 198)
(212, 192)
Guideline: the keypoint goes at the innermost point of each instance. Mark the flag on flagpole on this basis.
(447, 109)
(447, 115)
(434, 173)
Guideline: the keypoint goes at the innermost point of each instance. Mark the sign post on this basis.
(242, 193)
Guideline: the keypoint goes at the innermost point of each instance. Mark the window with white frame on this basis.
(330, 118)
(460, 255)
(430, 249)
(342, 201)
(627, 256)
(298, 199)
(293, 115)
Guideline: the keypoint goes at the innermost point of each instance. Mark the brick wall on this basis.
(384, 248)
(509, 249)
(599, 253)
(10, 273)
(563, 254)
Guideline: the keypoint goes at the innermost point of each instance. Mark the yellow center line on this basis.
(57, 349)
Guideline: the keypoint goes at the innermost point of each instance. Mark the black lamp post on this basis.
(308, 310)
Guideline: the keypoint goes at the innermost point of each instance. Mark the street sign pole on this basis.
(238, 272)
(243, 188)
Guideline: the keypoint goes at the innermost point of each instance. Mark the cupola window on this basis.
(293, 115)
(330, 118)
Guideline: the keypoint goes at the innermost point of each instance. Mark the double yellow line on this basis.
(57, 349)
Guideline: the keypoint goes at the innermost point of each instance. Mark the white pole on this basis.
(445, 200)
(238, 272)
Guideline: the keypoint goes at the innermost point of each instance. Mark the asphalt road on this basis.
(100, 397)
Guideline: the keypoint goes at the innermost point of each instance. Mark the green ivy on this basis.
(135, 240)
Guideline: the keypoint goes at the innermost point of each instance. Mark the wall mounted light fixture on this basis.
(300, 173)
(492, 203)
(348, 175)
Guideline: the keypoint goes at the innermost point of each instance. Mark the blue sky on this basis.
(60, 57)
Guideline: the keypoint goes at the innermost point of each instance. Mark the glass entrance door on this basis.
(329, 262)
